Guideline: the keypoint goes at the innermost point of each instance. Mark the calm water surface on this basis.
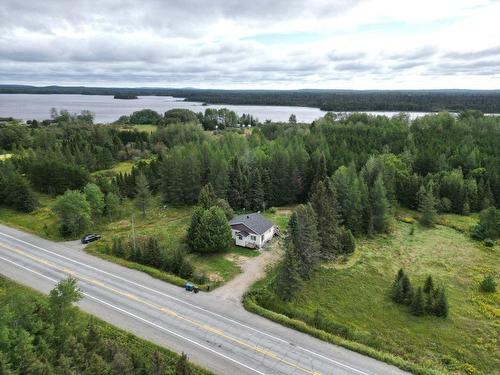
(108, 109)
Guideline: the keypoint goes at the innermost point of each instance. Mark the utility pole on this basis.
(133, 233)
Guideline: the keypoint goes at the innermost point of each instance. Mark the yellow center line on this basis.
(164, 310)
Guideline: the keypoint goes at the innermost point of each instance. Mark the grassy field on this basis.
(141, 348)
(142, 128)
(355, 296)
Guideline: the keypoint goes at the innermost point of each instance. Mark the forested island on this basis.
(125, 96)
(487, 101)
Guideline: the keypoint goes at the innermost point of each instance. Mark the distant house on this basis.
(252, 230)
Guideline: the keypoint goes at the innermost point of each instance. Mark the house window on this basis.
(262, 238)
(253, 238)
(240, 238)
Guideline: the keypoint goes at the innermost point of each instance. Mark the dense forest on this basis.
(275, 164)
(329, 100)
(49, 335)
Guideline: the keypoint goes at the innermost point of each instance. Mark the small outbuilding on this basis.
(252, 230)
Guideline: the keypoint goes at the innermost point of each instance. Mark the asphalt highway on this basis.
(216, 334)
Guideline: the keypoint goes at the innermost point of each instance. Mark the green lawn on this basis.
(355, 296)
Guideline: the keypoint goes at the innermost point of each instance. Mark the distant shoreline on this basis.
(486, 101)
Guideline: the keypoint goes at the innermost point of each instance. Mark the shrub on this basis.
(488, 285)
(488, 242)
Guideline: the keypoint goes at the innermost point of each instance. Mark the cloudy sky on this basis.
(286, 44)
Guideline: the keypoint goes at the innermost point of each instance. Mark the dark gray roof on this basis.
(256, 222)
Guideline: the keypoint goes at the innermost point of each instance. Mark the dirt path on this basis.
(252, 270)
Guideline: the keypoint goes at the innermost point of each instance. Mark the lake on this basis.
(107, 109)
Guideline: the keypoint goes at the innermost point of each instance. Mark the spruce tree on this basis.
(429, 285)
(417, 304)
(207, 197)
(396, 288)
(256, 195)
(143, 195)
(303, 232)
(380, 206)
(347, 241)
(236, 185)
(406, 290)
(324, 203)
(288, 278)
(429, 303)
(441, 304)
(321, 173)
(427, 206)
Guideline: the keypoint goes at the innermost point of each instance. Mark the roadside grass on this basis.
(42, 222)
(354, 297)
(135, 345)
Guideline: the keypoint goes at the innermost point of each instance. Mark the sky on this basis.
(252, 44)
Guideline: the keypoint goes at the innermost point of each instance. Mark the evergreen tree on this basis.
(427, 206)
(347, 241)
(303, 232)
(396, 289)
(417, 304)
(236, 185)
(288, 278)
(429, 285)
(429, 303)
(194, 235)
(96, 366)
(441, 304)
(209, 231)
(406, 290)
(256, 192)
(321, 173)
(143, 195)
(207, 197)
(324, 203)
(380, 206)
(182, 365)
(488, 284)
(122, 364)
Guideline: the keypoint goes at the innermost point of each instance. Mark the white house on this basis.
(252, 230)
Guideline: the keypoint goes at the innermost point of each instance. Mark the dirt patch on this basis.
(239, 260)
(215, 278)
(252, 269)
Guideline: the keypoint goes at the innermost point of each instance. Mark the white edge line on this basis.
(139, 318)
(187, 303)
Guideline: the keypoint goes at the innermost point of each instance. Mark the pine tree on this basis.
(427, 206)
(324, 203)
(303, 232)
(288, 279)
(182, 365)
(143, 195)
(429, 285)
(417, 304)
(380, 206)
(207, 197)
(441, 304)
